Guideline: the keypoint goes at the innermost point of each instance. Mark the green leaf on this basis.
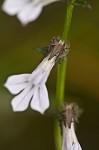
(81, 3)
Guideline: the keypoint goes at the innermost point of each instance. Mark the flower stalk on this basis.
(61, 75)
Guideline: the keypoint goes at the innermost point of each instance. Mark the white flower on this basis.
(31, 88)
(70, 141)
(25, 10)
(69, 114)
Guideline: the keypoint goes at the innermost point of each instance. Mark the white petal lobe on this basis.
(12, 7)
(21, 101)
(16, 83)
(40, 100)
(25, 10)
(29, 13)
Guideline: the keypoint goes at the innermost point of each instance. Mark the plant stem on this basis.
(61, 75)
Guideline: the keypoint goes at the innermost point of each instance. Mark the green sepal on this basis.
(42, 50)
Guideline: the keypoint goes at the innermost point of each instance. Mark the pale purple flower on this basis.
(69, 115)
(70, 141)
(31, 88)
(25, 10)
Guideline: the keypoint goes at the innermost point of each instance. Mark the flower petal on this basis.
(39, 69)
(16, 83)
(67, 139)
(26, 10)
(29, 13)
(40, 78)
(70, 141)
(46, 2)
(76, 145)
(40, 100)
(21, 101)
(12, 7)
(41, 73)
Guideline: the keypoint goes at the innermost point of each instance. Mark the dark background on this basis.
(29, 130)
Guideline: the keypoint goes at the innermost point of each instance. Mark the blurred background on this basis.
(29, 130)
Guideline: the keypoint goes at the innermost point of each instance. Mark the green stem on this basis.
(61, 75)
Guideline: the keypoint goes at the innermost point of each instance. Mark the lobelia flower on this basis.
(31, 88)
(69, 116)
(70, 141)
(25, 10)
